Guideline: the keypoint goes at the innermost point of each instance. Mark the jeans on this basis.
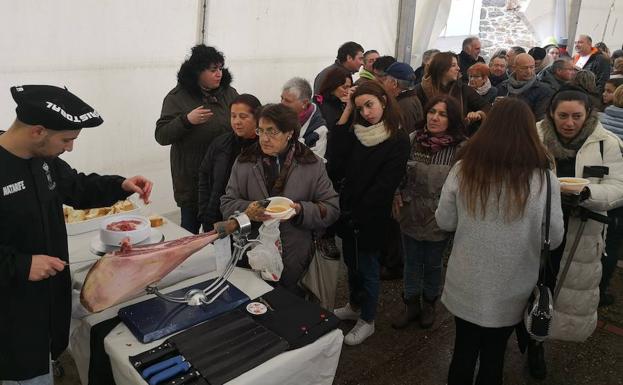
(363, 278)
(472, 341)
(189, 219)
(423, 262)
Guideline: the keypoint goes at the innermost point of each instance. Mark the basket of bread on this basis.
(83, 221)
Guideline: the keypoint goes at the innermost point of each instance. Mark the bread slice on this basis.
(76, 216)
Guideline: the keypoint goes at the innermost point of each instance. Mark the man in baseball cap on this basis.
(35, 299)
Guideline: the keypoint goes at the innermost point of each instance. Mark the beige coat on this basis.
(575, 310)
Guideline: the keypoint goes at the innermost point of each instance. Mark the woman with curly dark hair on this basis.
(194, 113)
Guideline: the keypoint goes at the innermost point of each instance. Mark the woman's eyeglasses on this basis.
(272, 132)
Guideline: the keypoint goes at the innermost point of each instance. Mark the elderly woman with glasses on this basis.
(479, 81)
(280, 165)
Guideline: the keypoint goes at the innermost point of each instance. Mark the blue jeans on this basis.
(363, 278)
(189, 219)
(422, 272)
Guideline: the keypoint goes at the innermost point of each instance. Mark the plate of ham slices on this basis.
(115, 229)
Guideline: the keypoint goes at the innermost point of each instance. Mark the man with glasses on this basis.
(497, 66)
(523, 84)
(559, 73)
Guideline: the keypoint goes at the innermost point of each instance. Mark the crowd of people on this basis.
(457, 158)
(406, 166)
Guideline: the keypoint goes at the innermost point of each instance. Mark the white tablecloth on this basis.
(312, 364)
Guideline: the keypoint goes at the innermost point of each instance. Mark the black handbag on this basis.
(540, 309)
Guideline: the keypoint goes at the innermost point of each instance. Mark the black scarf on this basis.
(276, 169)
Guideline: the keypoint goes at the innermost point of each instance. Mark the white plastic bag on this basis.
(266, 257)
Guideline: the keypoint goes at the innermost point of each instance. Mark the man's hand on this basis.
(44, 266)
(199, 115)
(396, 206)
(140, 185)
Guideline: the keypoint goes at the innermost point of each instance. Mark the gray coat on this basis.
(494, 264)
(307, 184)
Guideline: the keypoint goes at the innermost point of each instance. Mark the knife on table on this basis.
(184, 378)
(170, 373)
(153, 355)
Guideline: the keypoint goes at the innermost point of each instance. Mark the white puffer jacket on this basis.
(575, 310)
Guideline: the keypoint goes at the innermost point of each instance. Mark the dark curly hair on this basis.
(201, 58)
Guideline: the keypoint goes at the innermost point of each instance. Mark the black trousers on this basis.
(614, 248)
(473, 341)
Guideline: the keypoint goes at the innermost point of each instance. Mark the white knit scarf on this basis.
(483, 89)
(371, 135)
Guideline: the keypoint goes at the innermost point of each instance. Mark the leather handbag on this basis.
(540, 309)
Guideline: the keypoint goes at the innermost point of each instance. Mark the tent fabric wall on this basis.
(268, 42)
(119, 56)
(596, 20)
(122, 58)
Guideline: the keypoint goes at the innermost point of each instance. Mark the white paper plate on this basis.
(283, 202)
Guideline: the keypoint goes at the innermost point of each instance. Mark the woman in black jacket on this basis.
(216, 165)
(332, 99)
(375, 164)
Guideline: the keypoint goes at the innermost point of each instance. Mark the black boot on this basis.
(411, 312)
(536, 360)
(427, 319)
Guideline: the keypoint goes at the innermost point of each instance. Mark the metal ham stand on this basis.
(239, 226)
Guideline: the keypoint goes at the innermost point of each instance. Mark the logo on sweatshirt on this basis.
(48, 175)
(13, 188)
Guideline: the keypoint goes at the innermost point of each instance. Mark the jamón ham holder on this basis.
(121, 275)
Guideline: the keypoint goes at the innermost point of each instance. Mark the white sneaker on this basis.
(359, 333)
(346, 313)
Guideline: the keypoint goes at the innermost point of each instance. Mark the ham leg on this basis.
(123, 274)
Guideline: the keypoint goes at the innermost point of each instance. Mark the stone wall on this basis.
(502, 28)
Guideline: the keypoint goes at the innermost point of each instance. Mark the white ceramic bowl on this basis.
(279, 208)
(573, 185)
(113, 237)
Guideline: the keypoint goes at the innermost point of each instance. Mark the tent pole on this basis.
(406, 21)
(203, 21)
(574, 16)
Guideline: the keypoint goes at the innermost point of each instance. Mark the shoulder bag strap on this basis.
(545, 257)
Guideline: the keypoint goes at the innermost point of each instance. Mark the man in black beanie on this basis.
(35, 282)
